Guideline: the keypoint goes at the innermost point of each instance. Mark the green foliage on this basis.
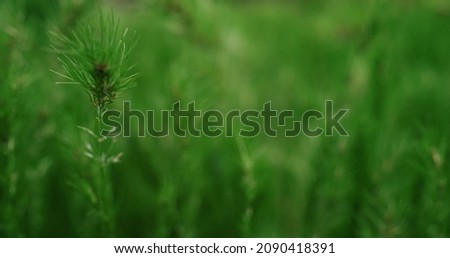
(386, 61)
(96, 56)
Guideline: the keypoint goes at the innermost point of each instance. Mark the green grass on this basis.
(387, 61)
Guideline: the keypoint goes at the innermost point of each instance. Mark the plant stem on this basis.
(106, 208)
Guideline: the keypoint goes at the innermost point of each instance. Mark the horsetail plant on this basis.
(96, 57)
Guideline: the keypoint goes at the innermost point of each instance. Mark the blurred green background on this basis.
(386, 61)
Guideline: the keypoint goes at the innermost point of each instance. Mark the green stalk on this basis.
(104, 187)
(95, 56)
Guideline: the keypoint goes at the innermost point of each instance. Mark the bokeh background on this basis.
(386, 61)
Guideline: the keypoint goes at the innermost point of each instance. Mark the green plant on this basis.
(387, 61)
(96, 57)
